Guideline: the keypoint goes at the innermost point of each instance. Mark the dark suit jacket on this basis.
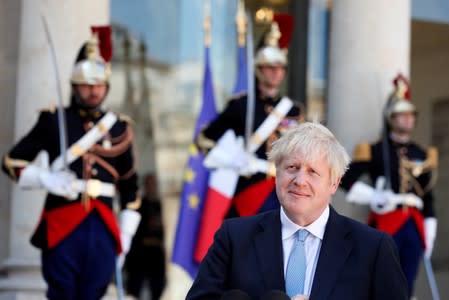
(355, 262)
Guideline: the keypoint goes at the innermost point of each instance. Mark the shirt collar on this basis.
(316, 228)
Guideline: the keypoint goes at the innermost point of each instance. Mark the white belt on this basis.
(94, 187)
(85, 142)
(408, 199)
(269, 124)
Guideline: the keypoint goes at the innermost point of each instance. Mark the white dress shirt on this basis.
(312, 244)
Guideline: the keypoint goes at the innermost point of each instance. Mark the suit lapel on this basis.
(334, 251)
(268, 246)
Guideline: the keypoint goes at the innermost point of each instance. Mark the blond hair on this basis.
(312, 141)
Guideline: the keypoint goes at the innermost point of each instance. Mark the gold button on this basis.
(94, 172)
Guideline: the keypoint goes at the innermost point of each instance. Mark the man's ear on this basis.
(335, 185)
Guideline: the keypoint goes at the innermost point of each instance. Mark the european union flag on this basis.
(195, 184)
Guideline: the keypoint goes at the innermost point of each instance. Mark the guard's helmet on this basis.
(272, 49)
(271, 54)
(399, 100)
(92, 63)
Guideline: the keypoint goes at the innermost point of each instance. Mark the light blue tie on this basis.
(296, 266)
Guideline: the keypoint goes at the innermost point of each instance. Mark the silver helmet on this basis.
(399, 100)
(271, 54)
(90, 66)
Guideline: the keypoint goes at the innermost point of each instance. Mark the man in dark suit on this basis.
(338, 258)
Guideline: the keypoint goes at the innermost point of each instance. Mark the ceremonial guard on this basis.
(272, 115)
(78, 234)
(403, 174)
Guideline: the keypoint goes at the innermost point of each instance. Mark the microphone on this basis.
(275, 295)
(235, 295)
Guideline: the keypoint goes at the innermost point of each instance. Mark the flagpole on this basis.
(240, 21)
(207, 24)
(241, 83)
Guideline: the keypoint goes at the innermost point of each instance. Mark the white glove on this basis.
(413, 200)
(253, 165)
(360, 193)
(227, 153)
(29, 177)
(430, 228)
(381, 201)
(129, 221)
(58, 183)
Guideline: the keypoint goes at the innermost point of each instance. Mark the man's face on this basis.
(272, 75)
(404, 122)
(304, 188)
(92, 95)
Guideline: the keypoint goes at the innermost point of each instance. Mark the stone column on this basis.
(369, 45)
(35, 85)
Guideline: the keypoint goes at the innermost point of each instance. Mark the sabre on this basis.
(119, 282)
(385, 142)
(61, 114)
(431, 278)
(385, 149)
(249, 120)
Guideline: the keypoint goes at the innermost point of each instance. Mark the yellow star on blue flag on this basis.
(193, 201)
(189, 175)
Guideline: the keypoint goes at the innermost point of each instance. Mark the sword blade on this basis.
(249, 121)
(61, 115)
(431, 278)
(119, 283)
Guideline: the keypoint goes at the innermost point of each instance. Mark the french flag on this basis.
(222, 184)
